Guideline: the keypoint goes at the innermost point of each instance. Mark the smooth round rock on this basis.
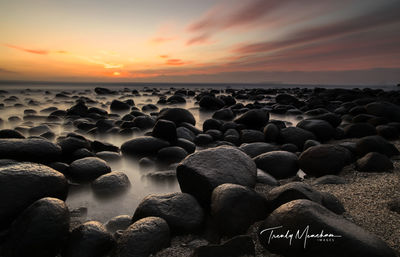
(279, 164)
(143, 146)
(296, 136)
(177, 115)
(88, 169)
(110, 184)
(255, 119)
(375, 144)
(374, 162)
(116, 223)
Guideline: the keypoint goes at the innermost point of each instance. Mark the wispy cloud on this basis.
(32, 51)
(161, 40)
(175, 62)
(6, 71)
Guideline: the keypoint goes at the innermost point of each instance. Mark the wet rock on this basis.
(289, 148)
(375, 144)
(329, 179)
(181, 211)
(10, 133)
(303, 214)
(81, 153)
(98, 146)
(299, 190)
(40, 231)
(177, 115)
(332, 118)
(255, 149)
(120, 222)
(79, 109)
(387, 132)
(59, 166)
(183, 132)
(165, 129)
(203, 139)
(117, 105)
(144, 237)
(242, 245)
(324, 159)
(254, 119)
(71, 144)
(22, 183)
(271, 133)
(143, 146)
(171, 154)
(144, 122)
(224, 114)
(108, 156)
(30, 149)
(320, 128)
(384, 109)
(110, 184)
(374, 162)
(199, 173)
(234, 208)
(358, 130)
(211, 103)
(178, 99)
(90, 239)
(251, 136)
(279, 164)
(265, 178)
(189, 146)
(87, 169)
(212, 124)
(310, 143)
(296, 136)
(103, 91)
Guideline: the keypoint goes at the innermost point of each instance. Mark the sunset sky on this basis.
(285, 41)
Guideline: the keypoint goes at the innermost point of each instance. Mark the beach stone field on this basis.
(197, 171)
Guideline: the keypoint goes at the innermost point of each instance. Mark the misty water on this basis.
(17, 100)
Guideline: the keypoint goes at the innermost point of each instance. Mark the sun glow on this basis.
(116, 73)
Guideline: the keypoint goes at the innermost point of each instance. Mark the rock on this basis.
(79, 109)
(30, 149)
(251, 136)
(212, 124)
(332, 118)
(387, 132)
(224, 114)
(384, 109)
(394, 205)
(201, 172)
(290, 148)
(40, 231)
(176, 99)
(279, 164)
(144, 237)
(10, 133)
(183, 132)
(165, 129)
(87, 169)
(253, 119)
(143, 146)
(22, 183)
(324, 159)
(320, 128)
(190, 147)
(113, 183)
(234, 208)
(211, 103)
(345, 238)
(144, 122)
(71, 144)
(177, 115)
(374, 162)
(108, 156)
(287, 99)
(103, 91)
(216, 134)
(299, 190)
(329, 179)
(171, 154)
(238, 246)
(265, 178)
(271, 133)
(203, 139)
(255, 149)
(181, 211)
(120, 222)
(310, 143)
(117, 105)
(375, 144)
(358, 130)
(296, 136)
(90, 239)
(98, 146)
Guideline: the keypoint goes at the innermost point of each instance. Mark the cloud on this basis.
(201, 39)
(175, 62)
(161, 40)
(384, 16)
(32, 51)
(7, 71)
(164, 56)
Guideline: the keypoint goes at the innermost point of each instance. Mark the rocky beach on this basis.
(180, 171)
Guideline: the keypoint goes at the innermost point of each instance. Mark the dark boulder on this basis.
(203, 139)
(320, 128)
(30, 149)
(345, 238)
(234, 208)
(116, 223)
(324, 159)
(255, 149)
(87, 169)
(265, 178)
(211, 103)
(224, 114)
(296, 136)
(271, 133)
(254, 119)
(103, 91)
(374, 162)
(375, 144)
(110, 184)
(117, 105)
(177, 115)
(189, 146)
(10, 133)
(251, 136)
(142, 238)
(387, 132)
(90, 239)
(22, 183)
(143, 146)
(201, 172)
(183, 132)
(40, 231)
(329, 179)
(165, 129)
(181, 211)
(358, 130)
(279, 164)
(144, 122)
(384, 109)
(171, 154)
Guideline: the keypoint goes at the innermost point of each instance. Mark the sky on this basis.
(245, 41)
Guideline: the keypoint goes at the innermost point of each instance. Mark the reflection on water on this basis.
(14, 115)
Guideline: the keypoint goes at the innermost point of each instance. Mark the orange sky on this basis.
(200, 41)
